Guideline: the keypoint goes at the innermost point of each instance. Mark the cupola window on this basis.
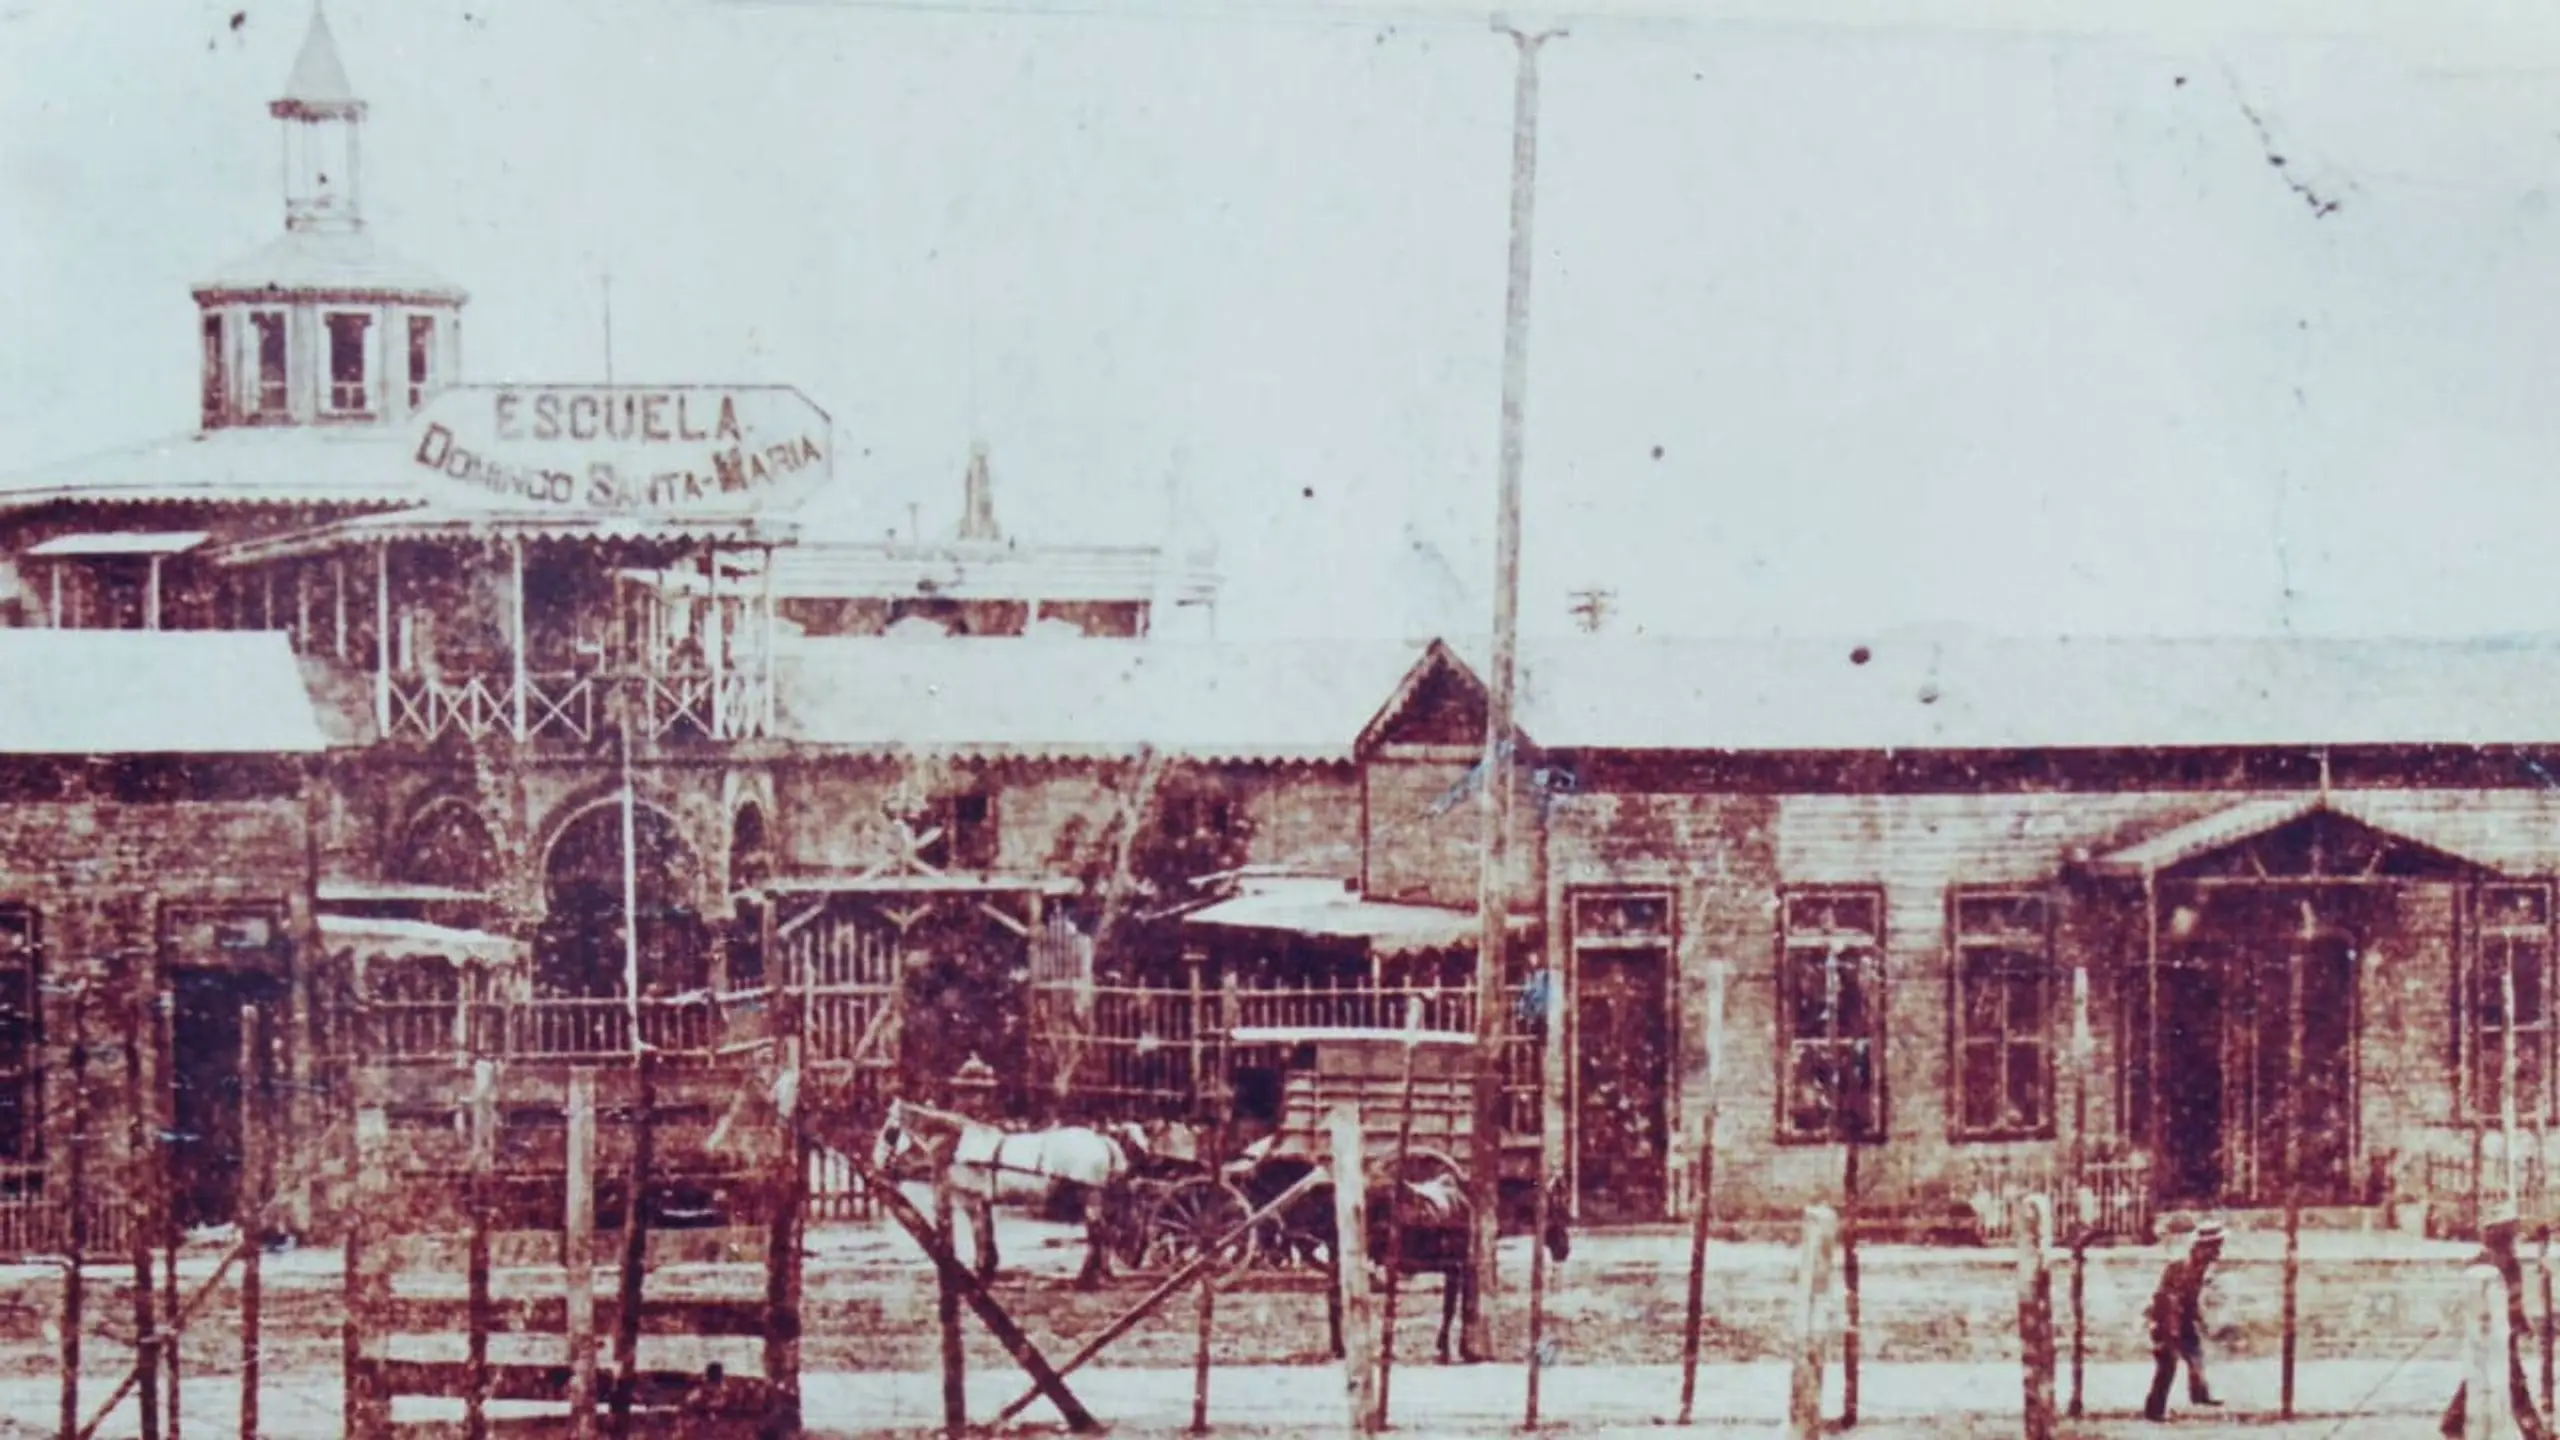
(422, 353)
(217, 373)
(349, 390)
(272, 394)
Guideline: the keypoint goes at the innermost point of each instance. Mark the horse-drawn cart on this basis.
(1414, 1091)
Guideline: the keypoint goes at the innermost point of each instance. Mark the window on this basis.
(1831, 1014)
(2004, 1004)
(2512, 939)
(973, 831)
(348, 392)
(422, 349)
(21, 1039)
(217, 373)
(1207, 815)
(968, 837)
(224, 937)
(272, 392)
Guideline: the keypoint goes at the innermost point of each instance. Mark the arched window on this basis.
(580, 949)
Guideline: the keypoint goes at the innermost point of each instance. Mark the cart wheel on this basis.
(1191, 1215)
(1128, 1209)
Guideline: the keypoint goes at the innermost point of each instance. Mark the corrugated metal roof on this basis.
(2206, 834)
(171, 542)
(447, 522)
(1986, 693)
(1043, 697)
(820, 568)
(152, 692)
(1389, 926)
(245, 465)
(332, 262)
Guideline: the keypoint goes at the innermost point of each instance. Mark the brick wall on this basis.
(1728, 857)
(99, 872)
(1425, 824)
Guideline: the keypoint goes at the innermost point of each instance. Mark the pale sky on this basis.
(2003, 321)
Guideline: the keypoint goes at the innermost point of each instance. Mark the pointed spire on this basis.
(978, 507)
(318, 88)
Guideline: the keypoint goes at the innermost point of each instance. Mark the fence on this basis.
(557, 1027)
(2115, 1195)
(2459, 1187)
(35, 1220)
(1156, 1047)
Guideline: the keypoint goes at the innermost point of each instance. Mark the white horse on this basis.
(978, 1165)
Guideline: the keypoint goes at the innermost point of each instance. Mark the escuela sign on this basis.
(690, 451)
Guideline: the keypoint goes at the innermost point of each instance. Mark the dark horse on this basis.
(1433, 1217)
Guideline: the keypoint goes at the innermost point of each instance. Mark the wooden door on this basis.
(1622, 1036)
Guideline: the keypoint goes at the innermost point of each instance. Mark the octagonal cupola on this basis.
(322, 326)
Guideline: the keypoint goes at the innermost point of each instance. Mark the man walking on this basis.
(2498, 1251)
(2177, 1323)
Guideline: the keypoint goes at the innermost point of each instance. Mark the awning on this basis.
(368, 938)
(427, 523)
(394, 892)
(901, 882)
(2250, 819)
(155, 542)
(1389, 927)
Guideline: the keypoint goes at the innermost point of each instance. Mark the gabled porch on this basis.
(2265, 1050)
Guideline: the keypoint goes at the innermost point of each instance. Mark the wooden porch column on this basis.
(301, 608)
(151, 600)
(338, 597)
(771, 630)
(515, 636)
(53, 572)
(382, 640)
(2151, 1029)
(713, 640)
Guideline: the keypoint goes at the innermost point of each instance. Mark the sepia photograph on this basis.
(933, 718)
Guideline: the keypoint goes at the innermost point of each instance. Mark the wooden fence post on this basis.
(475, 1199)
(2543, 1238)
(783, 1252)
(1395, 1230)
(2083, 1060)
(1703, 1203)
(73, 1281)
(1850, 1317)
(253, 1210)
(368, 1279)
(635, 1244)
(140, 1172)
(164, 1094)
(1351, 1266)
(1813, 1285)
(578, 1218)
(1200, 1356)
(2293, 1166)
(2484, 1355)
(2035, 1314)
(955, 1360)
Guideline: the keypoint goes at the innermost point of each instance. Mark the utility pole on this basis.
(1493, 903)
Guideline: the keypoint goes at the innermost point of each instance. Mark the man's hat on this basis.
(2500, 1217)
(2209, 1233)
